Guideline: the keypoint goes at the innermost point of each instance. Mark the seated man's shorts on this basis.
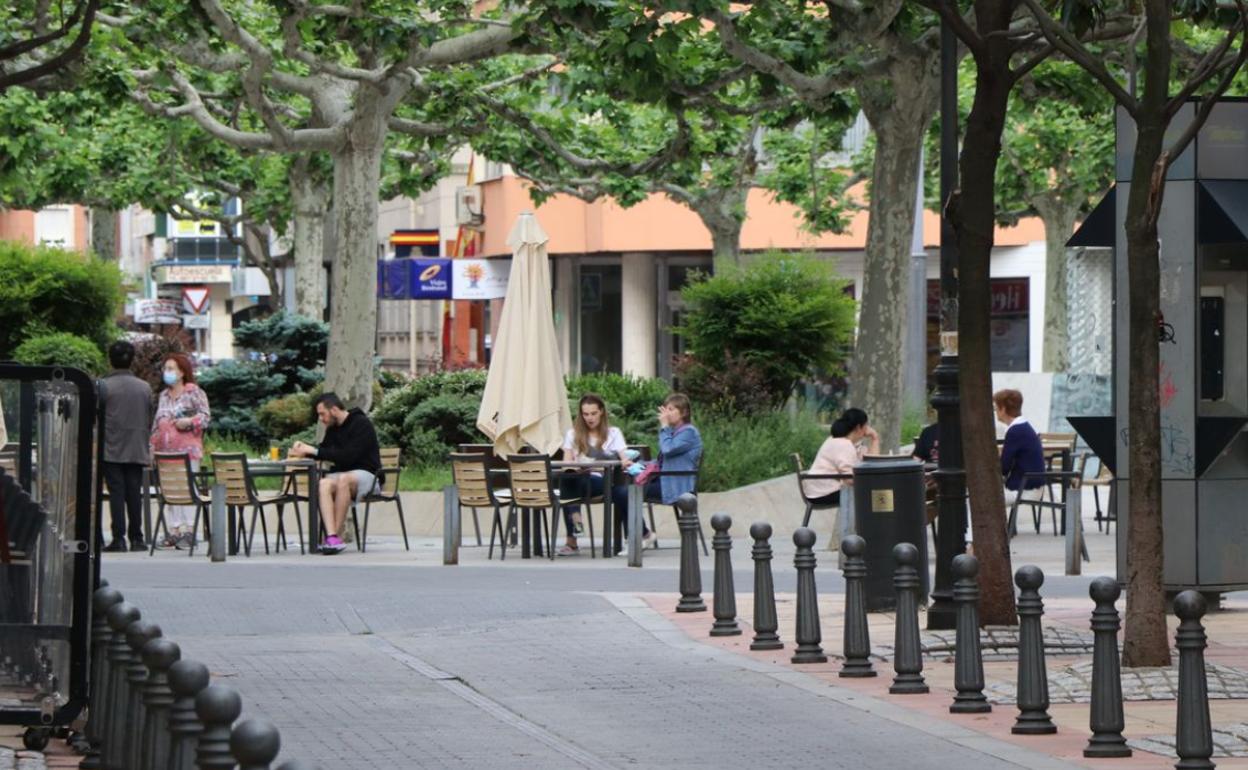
(365, 482)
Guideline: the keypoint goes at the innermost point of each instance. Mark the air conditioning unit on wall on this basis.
(468, 208)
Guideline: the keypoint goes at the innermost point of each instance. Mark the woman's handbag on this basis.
(647, 473)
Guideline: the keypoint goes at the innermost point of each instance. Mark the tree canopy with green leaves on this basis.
(306, 78)
(40, 40)
(1057, 157)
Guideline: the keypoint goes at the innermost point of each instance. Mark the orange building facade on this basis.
(617, 273)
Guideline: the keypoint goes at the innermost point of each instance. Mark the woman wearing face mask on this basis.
(181, 416)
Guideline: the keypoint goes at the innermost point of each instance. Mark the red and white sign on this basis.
(195, 298)
(1010, 297)
(156, 311)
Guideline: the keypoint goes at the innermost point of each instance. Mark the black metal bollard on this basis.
(807, 634)
(158, 654)
(255, 743)
(725, 593)
(1033, 679)
(101, 602)
(907, 649)
(968, 661)
(112, 735)
(217, 706)
(690, 572)
(138, 634)
(856, 643)
(186, 678)
(1194, 732)
(765, 622)
(1105, 714)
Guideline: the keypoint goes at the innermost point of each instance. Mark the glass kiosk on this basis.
(1203, 338)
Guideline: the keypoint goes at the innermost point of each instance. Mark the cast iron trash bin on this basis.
(889, 508)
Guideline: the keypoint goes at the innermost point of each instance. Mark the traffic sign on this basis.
(195, 299)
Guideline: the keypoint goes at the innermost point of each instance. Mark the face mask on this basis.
(170, 378)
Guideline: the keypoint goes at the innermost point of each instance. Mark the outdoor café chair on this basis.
(498, 478)
(804, 476)
(1103, 478)
(240, 493)
(1062, 478)
(475, 489)
(175, 484)
(388, 492)
(1059, 455)
(533, 489)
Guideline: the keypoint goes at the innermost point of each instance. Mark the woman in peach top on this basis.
(852, 438)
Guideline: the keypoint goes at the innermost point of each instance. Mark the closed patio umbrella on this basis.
(525, 400)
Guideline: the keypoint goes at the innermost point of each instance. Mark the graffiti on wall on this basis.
(1078, 395)
(1177, 458)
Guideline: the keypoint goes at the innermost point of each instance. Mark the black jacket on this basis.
(353, 445)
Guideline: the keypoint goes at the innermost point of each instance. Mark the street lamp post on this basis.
(950, 475)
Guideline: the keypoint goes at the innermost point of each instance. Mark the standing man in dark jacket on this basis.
(127, 404)
(350, 443)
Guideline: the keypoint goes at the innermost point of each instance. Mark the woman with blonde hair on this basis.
(592, 437)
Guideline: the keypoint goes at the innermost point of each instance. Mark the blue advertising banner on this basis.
(394, 279)
(418, 278)
(431, 278)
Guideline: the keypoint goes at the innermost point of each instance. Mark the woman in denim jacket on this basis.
(680, 449)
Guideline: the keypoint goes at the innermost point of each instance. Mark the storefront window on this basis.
(599, 288)
(674, 276)
(1009, 327)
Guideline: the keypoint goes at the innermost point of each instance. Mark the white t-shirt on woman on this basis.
(610, 449)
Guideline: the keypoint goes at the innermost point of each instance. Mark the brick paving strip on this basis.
(1149, 692)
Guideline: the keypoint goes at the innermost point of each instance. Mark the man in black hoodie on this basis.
(350, 443)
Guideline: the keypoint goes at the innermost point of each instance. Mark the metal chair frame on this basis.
(388, 493)
(536, 491)
(176, 485)
(475, 488)
(240, 492)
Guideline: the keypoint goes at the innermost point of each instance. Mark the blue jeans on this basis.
(619, 501)
(582, 485)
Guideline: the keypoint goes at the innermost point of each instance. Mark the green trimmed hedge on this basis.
(61, 349)
(45, 290)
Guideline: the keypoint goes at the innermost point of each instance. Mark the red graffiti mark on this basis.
(1166, 390)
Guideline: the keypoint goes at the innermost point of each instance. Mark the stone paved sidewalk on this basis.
(1149, 693)
(1073, 684)
(20, 759)
(1228, 741)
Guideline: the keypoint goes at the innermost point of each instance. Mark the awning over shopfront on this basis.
(1097, 229)
(1222, 211)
